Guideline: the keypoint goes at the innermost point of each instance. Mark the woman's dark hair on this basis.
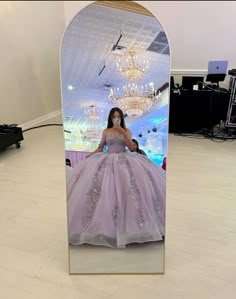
(138, 150)
(113, 110)
(136, 142)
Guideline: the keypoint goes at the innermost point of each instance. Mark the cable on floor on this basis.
(41, 126)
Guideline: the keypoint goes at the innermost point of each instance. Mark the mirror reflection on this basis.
(115, 86)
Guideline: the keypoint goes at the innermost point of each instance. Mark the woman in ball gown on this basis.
(116, 197)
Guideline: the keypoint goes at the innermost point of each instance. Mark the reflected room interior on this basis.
(115, 57)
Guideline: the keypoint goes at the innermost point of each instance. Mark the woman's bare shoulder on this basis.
(105, 131)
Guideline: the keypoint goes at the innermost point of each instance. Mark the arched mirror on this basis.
(115, 70)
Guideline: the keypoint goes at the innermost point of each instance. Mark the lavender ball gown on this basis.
(116, 198)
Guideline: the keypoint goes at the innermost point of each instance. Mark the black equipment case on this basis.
(9, 135)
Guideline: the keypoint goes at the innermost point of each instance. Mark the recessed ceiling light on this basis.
(70, 87)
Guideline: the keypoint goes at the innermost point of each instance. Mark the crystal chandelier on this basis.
(92, 134)
(93, 112)
(131, 69)
(93, 131)
(135, 100)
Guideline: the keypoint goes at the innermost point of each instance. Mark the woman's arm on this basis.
(101, 145)
(128, 139)
(127, 135)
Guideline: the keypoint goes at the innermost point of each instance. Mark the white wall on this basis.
(31, 33)
(198, 31)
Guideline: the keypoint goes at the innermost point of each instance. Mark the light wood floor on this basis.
(201, 225)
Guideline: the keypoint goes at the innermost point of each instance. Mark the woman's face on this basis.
(134, 146)
(115, 115)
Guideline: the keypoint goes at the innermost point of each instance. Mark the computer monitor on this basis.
(188, 82)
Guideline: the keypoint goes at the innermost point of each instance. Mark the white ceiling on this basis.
(87, 45)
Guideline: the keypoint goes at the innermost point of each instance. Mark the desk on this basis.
(193, 110)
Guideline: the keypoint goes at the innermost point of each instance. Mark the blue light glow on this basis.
(157, 120)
